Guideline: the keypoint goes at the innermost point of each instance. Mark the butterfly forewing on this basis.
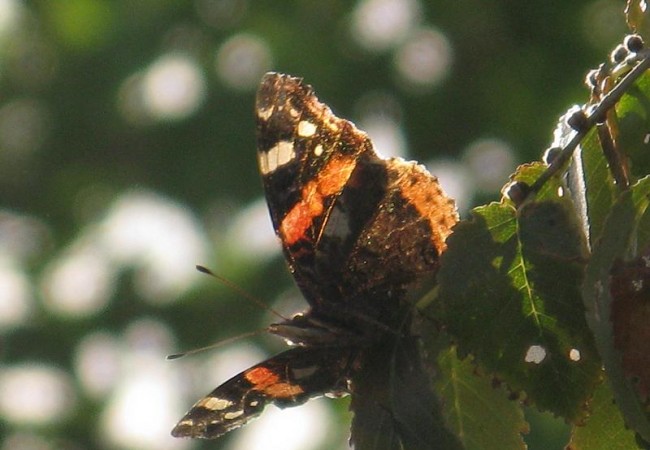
(355, 228)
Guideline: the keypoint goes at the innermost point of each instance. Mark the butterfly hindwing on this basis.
(288, 379)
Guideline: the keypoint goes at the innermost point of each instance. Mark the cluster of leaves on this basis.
(548, 290)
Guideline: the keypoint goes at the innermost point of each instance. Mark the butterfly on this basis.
(357, 231)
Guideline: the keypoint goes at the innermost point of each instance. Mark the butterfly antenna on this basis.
(217, 344)
(240, 291)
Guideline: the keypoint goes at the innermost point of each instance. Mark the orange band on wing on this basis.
(283, 390)
(330, 181)
(265, 380)
(261, 377)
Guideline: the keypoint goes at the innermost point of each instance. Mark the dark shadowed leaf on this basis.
(394, 405)
(509, 295)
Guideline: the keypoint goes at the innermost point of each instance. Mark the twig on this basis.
(597, 115)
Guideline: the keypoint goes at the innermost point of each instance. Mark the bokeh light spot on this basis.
(138, 415)
(276, 428)
(79, 283)
(455, 180)
(380, 116)
(141, 409)
(490, 161)
(242, 60)
(24, 126)
(22, 237)
(173, 87)
(16, 299)
(378, 25)
(224, 364)
(35, 394)
(11, 13)
(387, 136)
(250, 235)
(97, 363)
(424, 59)
(162, 239)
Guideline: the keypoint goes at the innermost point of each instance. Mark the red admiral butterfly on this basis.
(357, 231)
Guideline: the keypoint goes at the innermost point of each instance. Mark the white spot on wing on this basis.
(306, 128)
(215, 404)
(279, 155)
(233, 415)
(318, 150)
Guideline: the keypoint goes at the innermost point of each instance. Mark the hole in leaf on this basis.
(574, 354)
(535, 354)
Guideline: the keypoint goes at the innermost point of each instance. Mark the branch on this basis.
(596, 116)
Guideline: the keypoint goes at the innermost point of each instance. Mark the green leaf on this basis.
(604, 429)
(592, 185)
(479, 412)
(633, 112)
(588, 178)
(509, 295)
(619, 239)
